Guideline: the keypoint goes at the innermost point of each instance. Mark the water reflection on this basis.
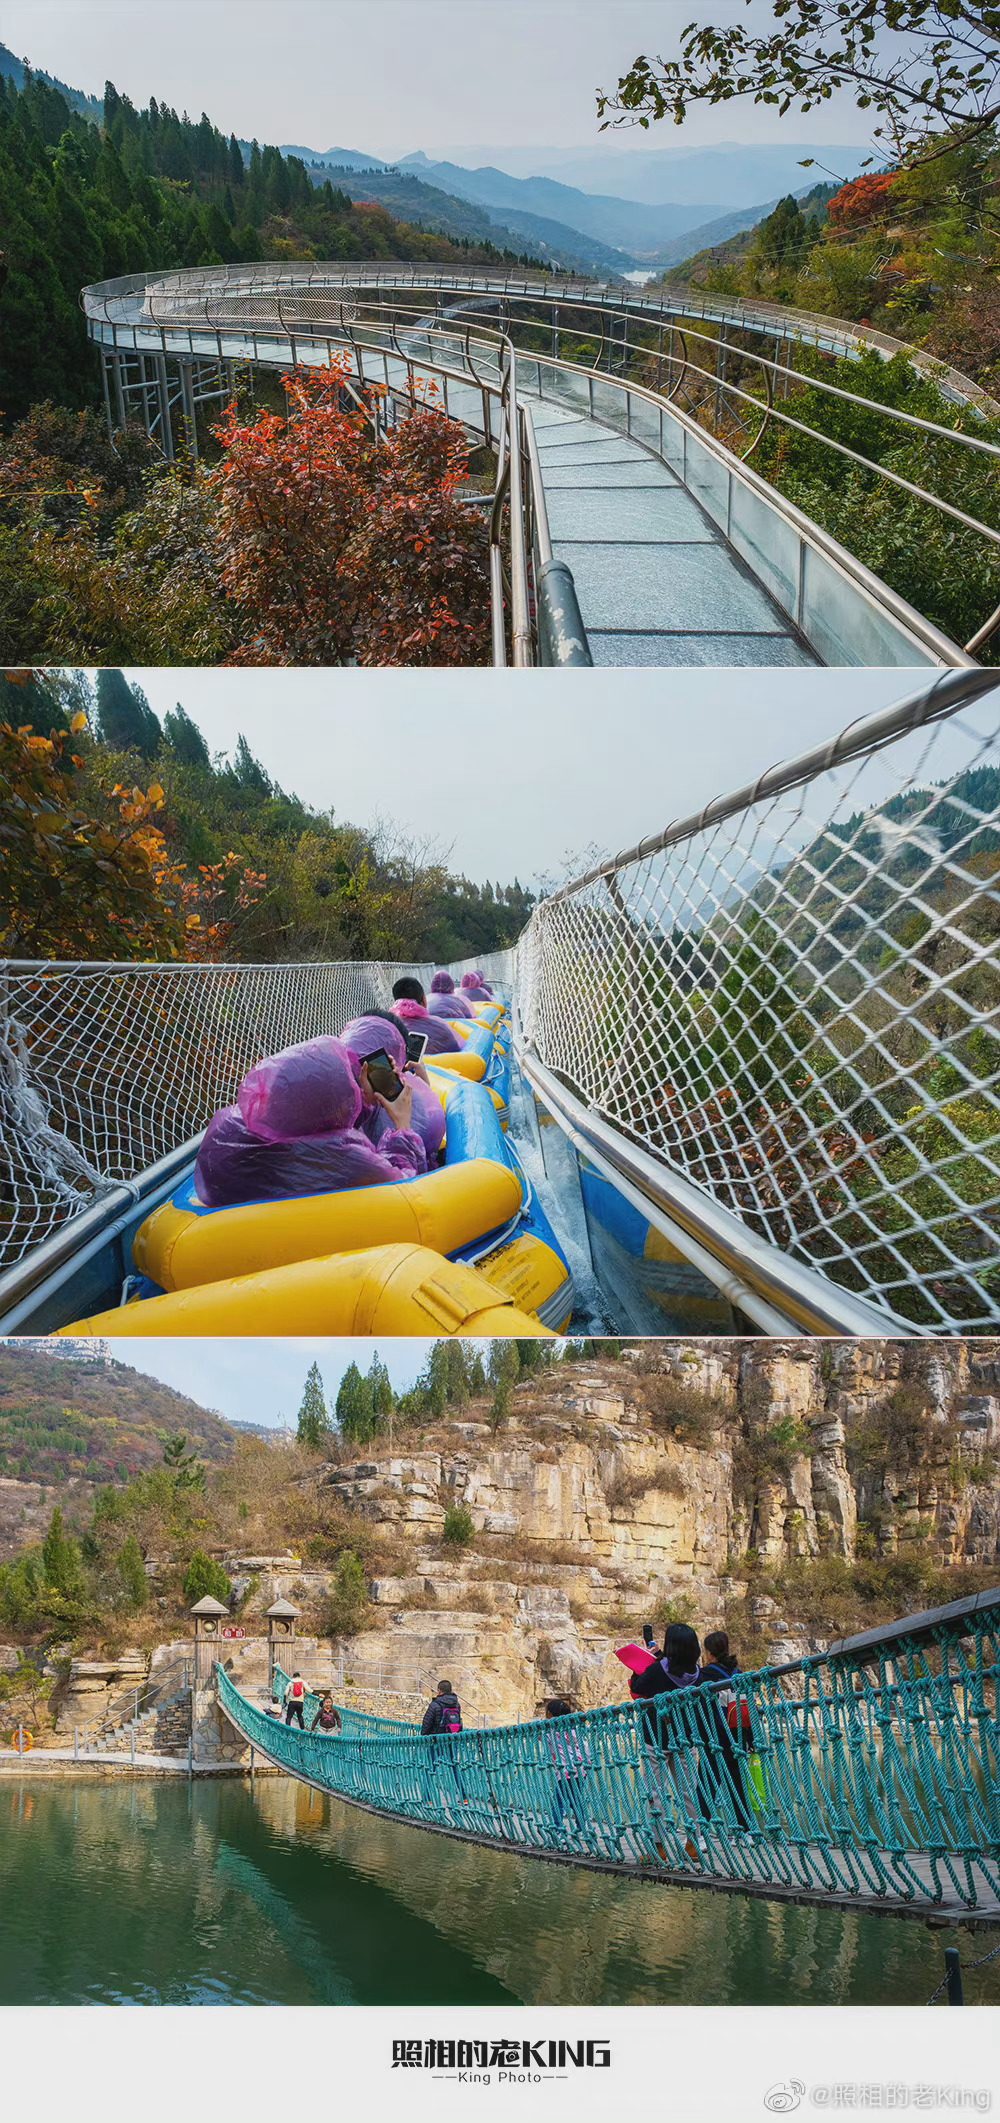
(169, 1894)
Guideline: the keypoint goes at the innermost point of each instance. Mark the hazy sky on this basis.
(511, 774)
(391, 76)
(263, 1381)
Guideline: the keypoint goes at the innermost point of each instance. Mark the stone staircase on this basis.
(163, 1728)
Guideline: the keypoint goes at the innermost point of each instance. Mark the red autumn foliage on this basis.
(864, 199)
(337, 543)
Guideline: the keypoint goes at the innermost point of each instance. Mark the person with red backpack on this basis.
(295, 1700)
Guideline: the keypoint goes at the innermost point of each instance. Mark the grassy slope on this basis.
(65, 1418)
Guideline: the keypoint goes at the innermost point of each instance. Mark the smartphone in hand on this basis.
(381, 1074)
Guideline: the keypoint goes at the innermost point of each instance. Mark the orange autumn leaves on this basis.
(88, 873)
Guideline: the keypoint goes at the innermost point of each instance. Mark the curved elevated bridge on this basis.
(757, 1056)
(638, 530)
(865, 1779)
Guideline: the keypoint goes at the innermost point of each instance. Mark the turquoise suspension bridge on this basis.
(867, 1778)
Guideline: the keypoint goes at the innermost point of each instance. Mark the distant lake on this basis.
(165, 1893)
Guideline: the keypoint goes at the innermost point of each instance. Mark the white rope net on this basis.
(791, 1001)
(796, 1007)
(105, 1069)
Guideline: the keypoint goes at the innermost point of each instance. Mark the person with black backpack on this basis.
(668, 1752)
(442, 1721)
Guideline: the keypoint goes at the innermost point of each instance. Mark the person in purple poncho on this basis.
(364, 1036)
(411, 1010)
(475, 988)
(293, 1131)
(443, 1000)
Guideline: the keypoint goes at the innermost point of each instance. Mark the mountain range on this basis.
(722, 191)
(601, 209)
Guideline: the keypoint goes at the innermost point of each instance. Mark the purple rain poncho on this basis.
(474, 986)
(443, 1001)
(440, 1037)
(292, 1132)
(363, 1036)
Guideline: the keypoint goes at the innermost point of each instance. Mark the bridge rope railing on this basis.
(608, 331)
(868, 1774)
(790, 1001)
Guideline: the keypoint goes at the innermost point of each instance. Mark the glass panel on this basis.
(567, 388)
(672, 448)
(845, 627)
(646, 423)
(707, 480)
(768, 543)
(609, 403)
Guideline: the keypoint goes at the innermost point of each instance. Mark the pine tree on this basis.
(60, 1559)
(205, 1577)
(314, 1421)
(184, 739)
(125, 719)
(132, 1576)
(187, 1469)
(356, 1406)
(437, 1379)
(456, 1375)
(477, 1375)
(505, 1362)
(504, 1368)
(247, 772)
(383, 1397)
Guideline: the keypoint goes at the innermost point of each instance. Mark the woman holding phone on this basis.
(374, 1040)
(297, 1128)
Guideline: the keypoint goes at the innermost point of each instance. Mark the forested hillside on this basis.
(912, 251)
(147, 190)
(64, 1417)
(152, 848)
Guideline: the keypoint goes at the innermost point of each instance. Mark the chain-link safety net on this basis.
(869, 1774)
(105, 1069)
(792, 1000)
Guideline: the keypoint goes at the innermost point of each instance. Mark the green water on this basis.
(167, 1894)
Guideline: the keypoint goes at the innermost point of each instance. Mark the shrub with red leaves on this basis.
(864, 199)
(336, 543)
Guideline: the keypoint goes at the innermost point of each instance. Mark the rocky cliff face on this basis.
(588, 1520)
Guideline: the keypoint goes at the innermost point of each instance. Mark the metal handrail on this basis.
(665, 303)
(932, 703)
(621, 310)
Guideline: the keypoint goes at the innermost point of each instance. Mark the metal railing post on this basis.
(953, 1970)
(520, 616)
